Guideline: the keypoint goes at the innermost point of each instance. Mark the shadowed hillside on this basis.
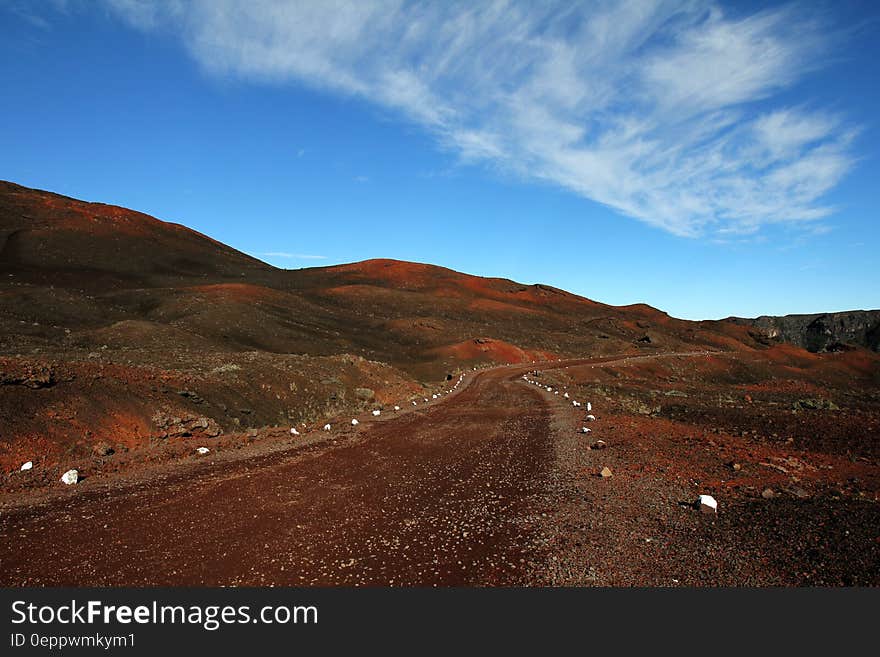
(119, 329)
(84, 275)
(821, 331)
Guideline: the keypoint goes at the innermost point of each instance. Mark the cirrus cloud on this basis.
(666, 111)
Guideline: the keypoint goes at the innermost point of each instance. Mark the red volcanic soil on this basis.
(442, 282)
(491, 485)
(126, 342)
(57, 413)
(494, 350)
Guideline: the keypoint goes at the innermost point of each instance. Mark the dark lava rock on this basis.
(189, 394)
(175, 427)
(34, 377)
(364, 394)
(103, 449)
(819, 332)
(815, 405)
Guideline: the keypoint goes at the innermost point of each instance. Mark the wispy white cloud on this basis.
(293, 256)
(28, 13)
(666, 110)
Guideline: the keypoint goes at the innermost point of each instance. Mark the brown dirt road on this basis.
(439, 495)
(484, 487)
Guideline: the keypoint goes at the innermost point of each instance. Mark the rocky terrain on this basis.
(206, 401)
(121, 330)
(821, 331)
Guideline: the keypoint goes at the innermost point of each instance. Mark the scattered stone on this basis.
(706, 504)
(396, 408)
(605, 472)
(364, 394)
(27, 466)
(33, 377)
(585, 430)
(599, 444)
(103, 449)
(70, 477)
(293, 431)
(326, 427)
(815, 405)
(377, 413)
(192, 396)
(590, 418)
(354, 422)
(768, 493)
(202, 450)
(171, 426)
(733, 465)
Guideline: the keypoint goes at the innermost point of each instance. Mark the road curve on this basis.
(445, 494)
(442, 495)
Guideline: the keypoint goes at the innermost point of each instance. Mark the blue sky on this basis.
(708, 159)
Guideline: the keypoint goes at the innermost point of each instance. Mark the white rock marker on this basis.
(26, 466)
(397, 408)
(707, 504)
(70, 477)
(326, 427)
(293, 431)
(354, 422)
(202, 450)
(377, 413)
(590, 418)
(589, 406)
(565, 395)
(586, 430)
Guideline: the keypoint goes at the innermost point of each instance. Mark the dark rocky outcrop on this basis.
(819, 332)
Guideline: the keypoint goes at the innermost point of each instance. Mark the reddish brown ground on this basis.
(126, 342)
(497, 351)
(489, 485)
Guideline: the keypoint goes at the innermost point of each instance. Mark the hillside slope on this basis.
(85, 275)
(121, 331)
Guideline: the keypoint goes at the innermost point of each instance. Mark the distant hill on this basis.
(88, 275)
(821, 331)
(119, 329)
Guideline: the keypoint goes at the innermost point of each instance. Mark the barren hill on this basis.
(120, 329)
(83, 275)
(126, 343)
